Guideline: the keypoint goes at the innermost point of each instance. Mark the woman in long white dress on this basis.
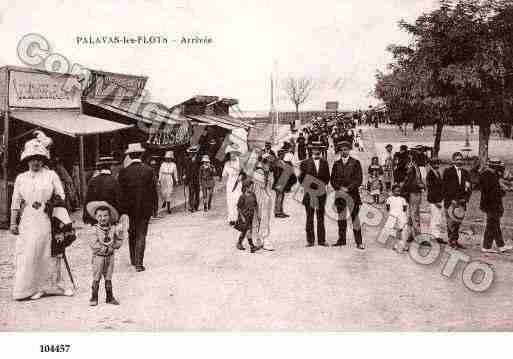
(168, 175)
(263, 192)
(232, 172)
(35, 268)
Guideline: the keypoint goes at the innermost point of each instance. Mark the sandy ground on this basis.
(197, 280)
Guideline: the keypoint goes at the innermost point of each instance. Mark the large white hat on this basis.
(134, 148)
(37, 147)
(169, 154)
(92, 206)
(233, 147)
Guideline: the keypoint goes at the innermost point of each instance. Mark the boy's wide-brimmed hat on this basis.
(105, 161)
(135, 148)
(205, 158)
(92, 206)
(37, 147)
(169, 154)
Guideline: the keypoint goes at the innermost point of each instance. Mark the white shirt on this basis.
(396, 204)
(458, 173)
(317, 164)
(289, 157)
(344, 159)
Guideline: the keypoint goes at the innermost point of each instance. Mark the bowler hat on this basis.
(316, 145)
(105, 161)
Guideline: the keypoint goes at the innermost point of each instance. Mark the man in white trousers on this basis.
(435, 199)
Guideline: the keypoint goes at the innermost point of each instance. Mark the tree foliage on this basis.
(457, 68)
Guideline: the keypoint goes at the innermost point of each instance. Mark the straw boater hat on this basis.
(106, 160)
(92, 206)
(316, 145)
(205, 158)
(134, 148)
(37, 147)
(212, 141)
(495, 163)
(169, 154)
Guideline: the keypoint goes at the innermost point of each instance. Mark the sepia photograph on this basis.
(237, 167)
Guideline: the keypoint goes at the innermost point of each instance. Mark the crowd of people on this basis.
(120, 207)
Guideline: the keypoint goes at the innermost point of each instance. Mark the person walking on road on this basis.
(314, 177)
(234, 175)
(263, 193)
(456, 193)
(191, 178)
(491, 204)
(388, 168)
(102, 187)
(346, 179)
(139, 197)
(168, 176)
(412, 188)
(207, 172)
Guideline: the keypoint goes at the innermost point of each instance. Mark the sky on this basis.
(339, 43)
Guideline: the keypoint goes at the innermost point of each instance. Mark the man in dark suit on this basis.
(191, 178)
(315, 176)
(103, 187)
(139, 197)
(346, 179)
(491, 203)
(456, 194)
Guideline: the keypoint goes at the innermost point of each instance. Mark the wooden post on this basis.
(96, 147)
(81, 167)
(4, 184)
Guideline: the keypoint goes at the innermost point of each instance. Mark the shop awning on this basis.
(213, 121)
(156, 116)
(235, 121)
(70, 123)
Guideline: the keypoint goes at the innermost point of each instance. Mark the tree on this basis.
(298, 90)
(457, 63)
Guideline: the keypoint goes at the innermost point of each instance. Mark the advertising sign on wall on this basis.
(41, 90)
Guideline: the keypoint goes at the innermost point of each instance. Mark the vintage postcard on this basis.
(260, 166)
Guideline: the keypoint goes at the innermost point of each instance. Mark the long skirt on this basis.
(262, 226)
(166, 187)
(33, 260)
(232, 197)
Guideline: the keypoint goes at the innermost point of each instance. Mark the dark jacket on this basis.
(349, 175)
(138, 190)
(192, 168)
(313, 181)
(284, 177)
(413, 181)
(452, 190)
(491, 192)
(103, 187)
(434, 187)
